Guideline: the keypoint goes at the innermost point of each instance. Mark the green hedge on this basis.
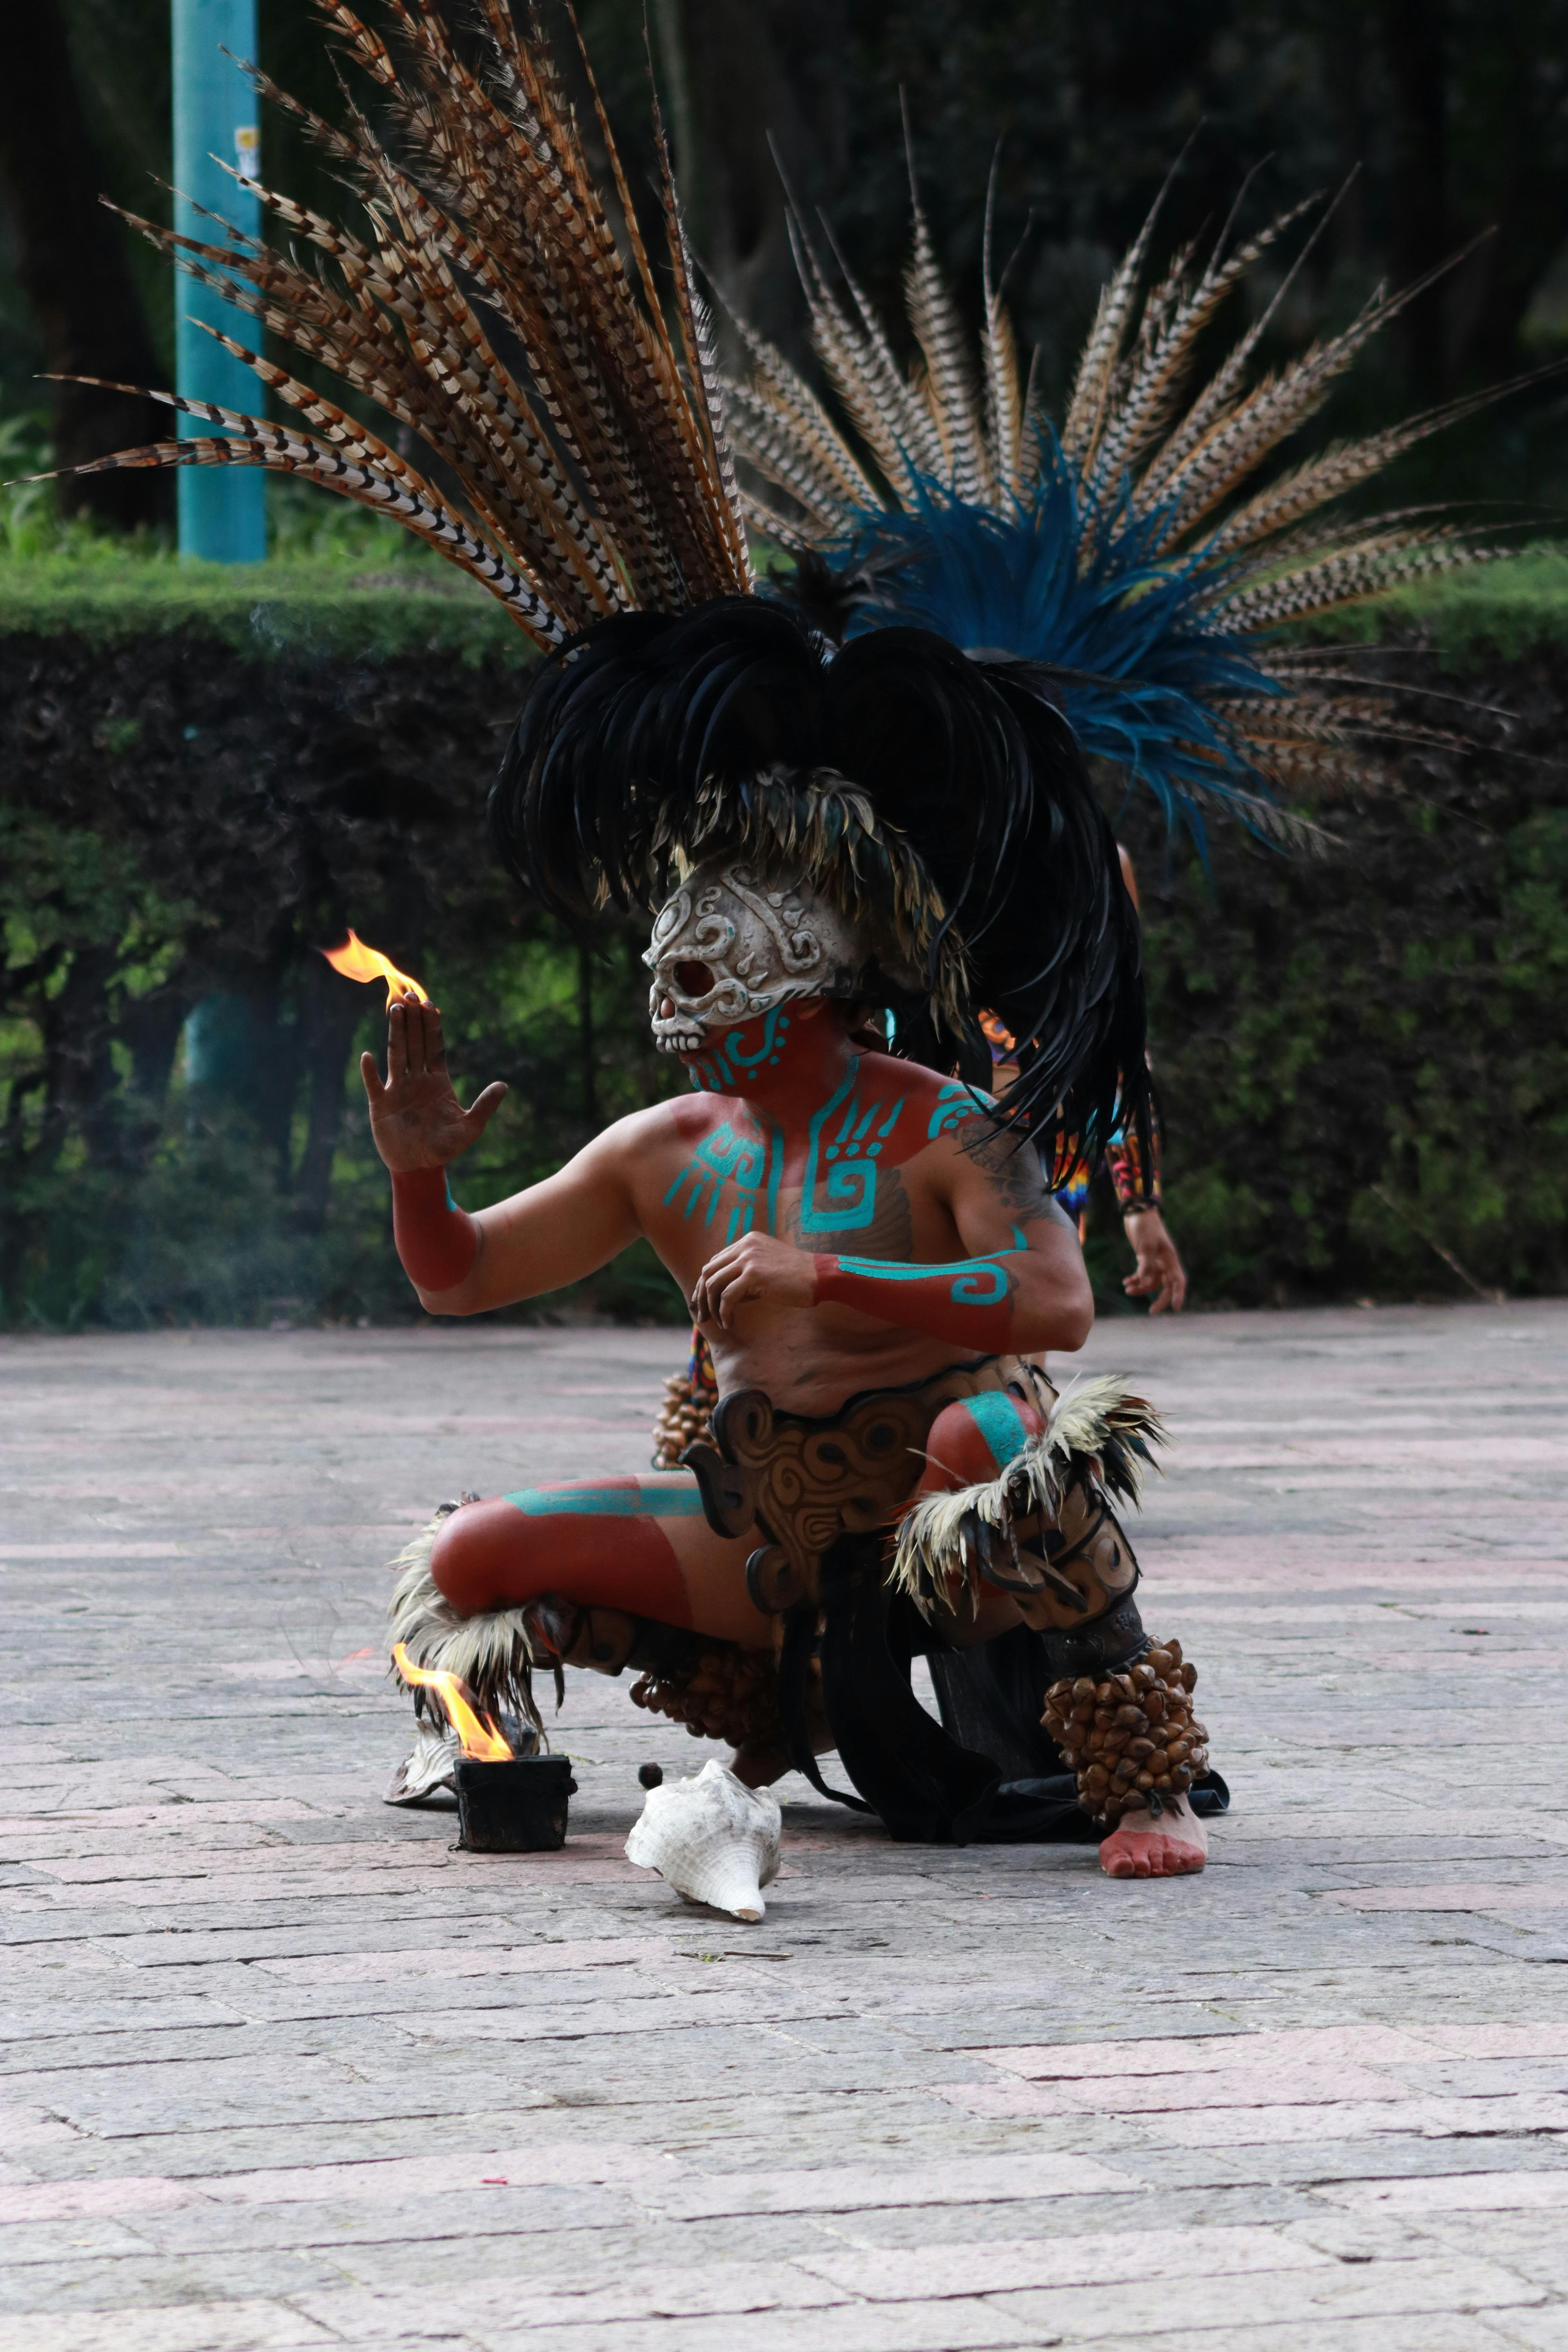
(1363, 1062)
(323, 609)
(375, 596)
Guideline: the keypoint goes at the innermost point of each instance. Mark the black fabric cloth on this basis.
(987, 1774)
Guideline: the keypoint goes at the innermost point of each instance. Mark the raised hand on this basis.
(415, 1119)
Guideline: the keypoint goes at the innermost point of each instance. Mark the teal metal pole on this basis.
(223, 508)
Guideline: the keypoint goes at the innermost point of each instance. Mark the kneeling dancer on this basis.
(867, 1242)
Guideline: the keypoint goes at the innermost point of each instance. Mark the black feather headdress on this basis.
(941, 801)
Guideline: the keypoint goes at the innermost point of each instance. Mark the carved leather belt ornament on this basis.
(802, 1482)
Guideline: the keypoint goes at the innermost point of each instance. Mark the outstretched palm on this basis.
(415, 1119)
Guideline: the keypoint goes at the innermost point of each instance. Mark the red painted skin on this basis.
(492, 1555)
(437, 1242)
(632, 1564)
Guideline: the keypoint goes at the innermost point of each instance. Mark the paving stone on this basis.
(1137, 2306)
(279, 2067)
(229, 2325)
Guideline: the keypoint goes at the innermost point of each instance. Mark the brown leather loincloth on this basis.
(804, 1480)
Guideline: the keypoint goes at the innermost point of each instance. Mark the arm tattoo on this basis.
(1011, 1167)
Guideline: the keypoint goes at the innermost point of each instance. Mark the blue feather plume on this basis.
(1063, 582)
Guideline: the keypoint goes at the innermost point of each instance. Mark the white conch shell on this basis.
(714, 1839)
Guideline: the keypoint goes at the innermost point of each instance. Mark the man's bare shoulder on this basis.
(938, 1103)
(957, 1141)
(677, 1124)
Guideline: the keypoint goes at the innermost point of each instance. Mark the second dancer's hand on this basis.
(757, 1267)
(415, 1119)
(1159, 1274)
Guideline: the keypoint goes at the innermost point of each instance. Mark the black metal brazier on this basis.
(516, 1807)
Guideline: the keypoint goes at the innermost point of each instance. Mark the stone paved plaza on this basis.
(282, 2068)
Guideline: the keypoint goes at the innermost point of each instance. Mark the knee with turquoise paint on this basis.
(978, 1436)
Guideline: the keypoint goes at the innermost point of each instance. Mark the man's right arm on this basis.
(551, 1234)
(540, 1240)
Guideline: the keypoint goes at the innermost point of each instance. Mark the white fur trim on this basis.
(490, 1651)
(1097, 1431)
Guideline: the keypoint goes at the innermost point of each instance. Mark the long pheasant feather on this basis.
(597, 475)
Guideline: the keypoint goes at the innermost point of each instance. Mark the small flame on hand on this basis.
(480, 1736)
(356, 962)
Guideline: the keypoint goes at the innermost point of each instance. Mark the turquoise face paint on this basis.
(629, 1499)
(734, 1047)
(719, 1072)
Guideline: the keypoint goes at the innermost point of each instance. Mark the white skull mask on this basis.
(731, 944)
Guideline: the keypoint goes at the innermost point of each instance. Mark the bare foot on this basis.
(759, 1763)
(1150, 1846)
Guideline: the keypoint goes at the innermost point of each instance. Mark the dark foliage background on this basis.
(1362, 1059)
(181, 829)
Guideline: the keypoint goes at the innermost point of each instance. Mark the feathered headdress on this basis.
(498, 310)
(943, 801)
(1129, 548)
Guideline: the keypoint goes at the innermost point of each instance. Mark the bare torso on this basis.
(867, 1174)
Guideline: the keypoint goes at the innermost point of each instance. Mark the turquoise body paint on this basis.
(975, 1281)
(996, 1416)
(848, 1194)
(630, 1500)
(953, 1105)
(775, 1177)
(728, 1157)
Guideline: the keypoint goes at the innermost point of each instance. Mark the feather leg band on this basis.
(489, 1651)
(1098, 1434)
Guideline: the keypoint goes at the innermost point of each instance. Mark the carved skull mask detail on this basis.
(731, 944)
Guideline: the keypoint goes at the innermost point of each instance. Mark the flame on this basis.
(478, 1734)
(356, 962)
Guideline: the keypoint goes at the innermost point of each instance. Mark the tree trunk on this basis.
(333, 1009)
(72, 268)
(587, 1051)
(750, 85)
(1414, 47)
